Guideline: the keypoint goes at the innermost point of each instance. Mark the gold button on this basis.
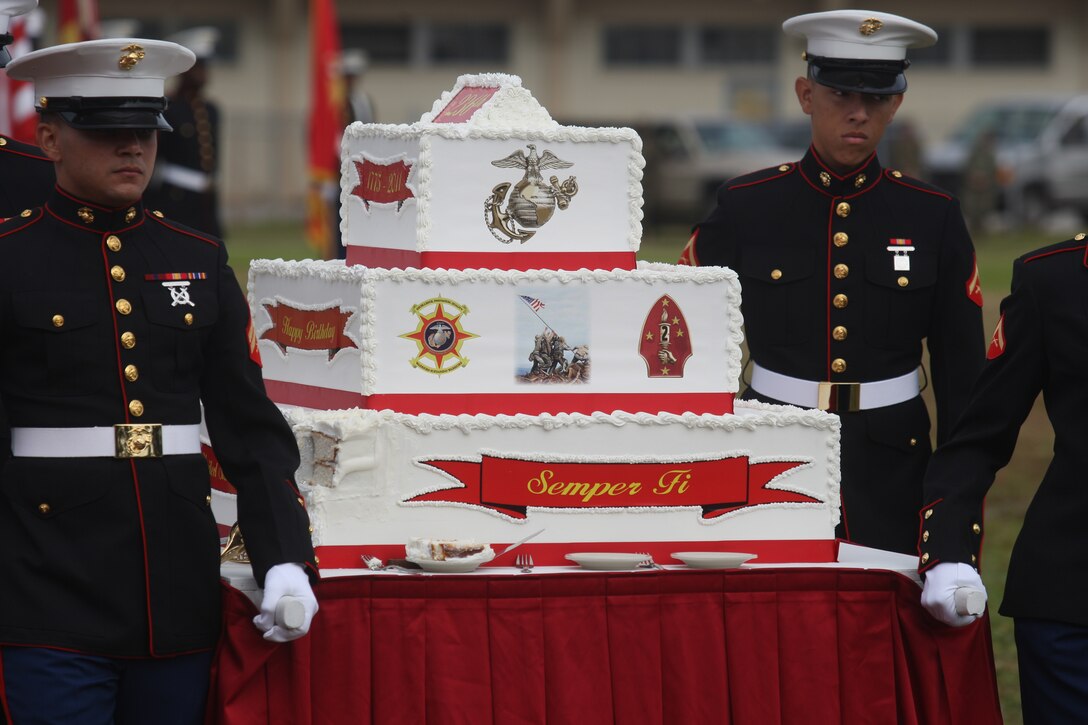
(840, 301)
(124, 306)
(784, 167)
(914, 441)
(58, 320)
(3, 141)
(929, 512)
(157, 213)
(902, 281)
(132, 373)
(843, 209)
(311, 529)
(25, 213)
(841, 271)
(43, 102)
(925, 558)
(118, 273)
(841, 238)
(776, 274)
(838, 365)
(188, 318)
(976, 528)
(44, 508)
(925, 536)
(974, 559)
(839, 333)
(114, 243)
(301, 502)
(897, 174)
(136, 408)
(130, 214)
(128, 340)
(1078, 237)
(316, 560)
(208, 500)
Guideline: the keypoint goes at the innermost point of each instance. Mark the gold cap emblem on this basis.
(130, 56)
(870, 26)
(85, 215)
(825, 178)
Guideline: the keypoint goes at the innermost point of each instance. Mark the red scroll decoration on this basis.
(665, 344)
(509, 486)
(382, 183)
(308, 329)
(465, 103)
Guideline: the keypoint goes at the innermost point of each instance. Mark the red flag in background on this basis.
(18, 118)
(326, 126)
(77, 20)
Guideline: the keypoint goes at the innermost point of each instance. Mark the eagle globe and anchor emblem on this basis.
(531, 202)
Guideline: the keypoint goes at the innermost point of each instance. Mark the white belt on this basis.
(140, 440)
(835, 397)
(183, 177)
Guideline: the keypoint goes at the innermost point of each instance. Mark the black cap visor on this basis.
(875, 77)
(93, 113)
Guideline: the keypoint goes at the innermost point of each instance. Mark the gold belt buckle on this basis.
(142, 440)
(839, 397)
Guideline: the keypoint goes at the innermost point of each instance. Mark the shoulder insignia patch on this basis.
(997, 342)
(687, 257)
(974, 285)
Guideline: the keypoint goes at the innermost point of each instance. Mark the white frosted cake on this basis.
(491, 361)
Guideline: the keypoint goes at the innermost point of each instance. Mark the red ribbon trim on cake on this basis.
(311, 396)
(521, 261)
(769, 551)
(510, 485)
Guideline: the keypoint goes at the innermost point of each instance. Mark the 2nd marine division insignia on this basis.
(439, 335)
(532, 201)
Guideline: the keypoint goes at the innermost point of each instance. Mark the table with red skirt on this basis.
(759, 646)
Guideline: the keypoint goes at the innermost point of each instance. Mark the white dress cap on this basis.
(859, 34)
(10, 8)
(109, 68)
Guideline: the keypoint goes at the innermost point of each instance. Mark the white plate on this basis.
(449, 566)
(712, 559)
(605, 561)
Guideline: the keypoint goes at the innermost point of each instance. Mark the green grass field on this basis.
(1014, 486)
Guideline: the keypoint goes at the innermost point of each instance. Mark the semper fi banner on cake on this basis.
(510, 486)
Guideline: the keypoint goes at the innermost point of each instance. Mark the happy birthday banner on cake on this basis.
(510, 486)
(308, 329)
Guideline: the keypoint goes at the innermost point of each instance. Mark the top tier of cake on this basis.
(487, 179)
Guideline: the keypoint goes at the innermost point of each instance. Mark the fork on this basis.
(524, 562)
(648, 562)
(375, 564)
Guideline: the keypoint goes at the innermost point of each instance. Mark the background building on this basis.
(596, 61)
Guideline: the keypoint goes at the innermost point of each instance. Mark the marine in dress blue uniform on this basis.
(1040, 346)
(26, 175)
(119, 326)
(847, 268)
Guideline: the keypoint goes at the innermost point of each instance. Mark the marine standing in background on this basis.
(119, 327)
(847, 268)
(26, 175)
(185, 186)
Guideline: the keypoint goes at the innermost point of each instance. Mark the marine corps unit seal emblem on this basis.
(532, 201)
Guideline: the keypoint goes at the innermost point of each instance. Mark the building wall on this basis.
(556, 47)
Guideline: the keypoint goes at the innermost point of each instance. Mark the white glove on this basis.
(288, 605)
(939, 594)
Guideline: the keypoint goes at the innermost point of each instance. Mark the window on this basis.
(383, 43)
(1010, 46)
(458, 43)
(739, 44)
(937, 54)
(641, 45)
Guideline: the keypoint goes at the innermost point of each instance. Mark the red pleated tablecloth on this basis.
(742, 646)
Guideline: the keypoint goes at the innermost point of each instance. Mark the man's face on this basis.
(110, 167)
(846, 127)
